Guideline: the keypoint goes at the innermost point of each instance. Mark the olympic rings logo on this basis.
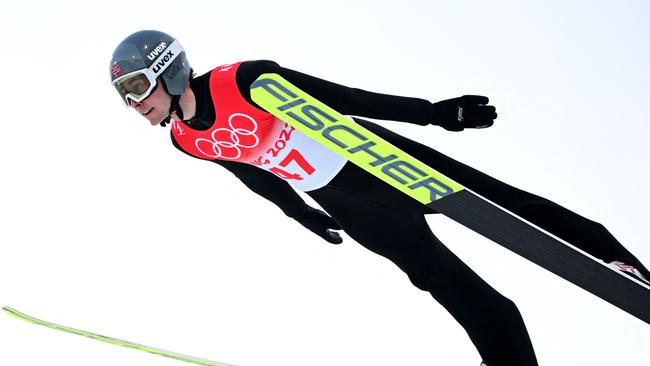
(227, 143)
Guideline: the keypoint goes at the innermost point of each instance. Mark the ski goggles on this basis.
(137, 85)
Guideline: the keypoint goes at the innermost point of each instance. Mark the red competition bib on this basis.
(246, 134)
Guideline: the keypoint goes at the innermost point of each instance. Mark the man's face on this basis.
(155, 107)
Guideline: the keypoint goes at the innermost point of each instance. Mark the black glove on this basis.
(468, 111)
(321, 224)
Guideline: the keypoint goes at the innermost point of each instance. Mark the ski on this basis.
(431, 188)
(115, 341)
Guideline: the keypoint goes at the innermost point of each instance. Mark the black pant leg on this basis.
(492, 322)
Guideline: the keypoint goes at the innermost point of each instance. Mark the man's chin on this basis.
(156, 121)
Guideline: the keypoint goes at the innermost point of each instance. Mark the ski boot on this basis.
(629, 270)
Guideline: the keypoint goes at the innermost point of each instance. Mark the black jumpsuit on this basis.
(389, 223)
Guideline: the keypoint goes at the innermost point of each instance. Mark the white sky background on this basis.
(101, 229)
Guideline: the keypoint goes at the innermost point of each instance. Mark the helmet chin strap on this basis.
(174, 107)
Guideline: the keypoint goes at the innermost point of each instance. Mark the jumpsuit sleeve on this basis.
(269, 186)
(345, 100)
(265, 184)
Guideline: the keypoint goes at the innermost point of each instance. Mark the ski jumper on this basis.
(384, 220)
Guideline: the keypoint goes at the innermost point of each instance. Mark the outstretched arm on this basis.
(285, 197)
(268, 186)
(278, 191)
(453, 114)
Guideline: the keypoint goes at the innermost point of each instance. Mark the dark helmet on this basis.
(142, 58)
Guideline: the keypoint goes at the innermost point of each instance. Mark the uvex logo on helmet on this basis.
(153, 54)
(162, 61)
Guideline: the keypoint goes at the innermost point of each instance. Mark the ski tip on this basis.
(11, 311)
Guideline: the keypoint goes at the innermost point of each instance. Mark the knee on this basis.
(422, 282)
(508, 309)
(474, 294)
(432, 282)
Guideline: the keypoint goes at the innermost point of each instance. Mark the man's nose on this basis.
(133, 103)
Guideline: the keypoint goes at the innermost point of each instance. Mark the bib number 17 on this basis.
(293, 156)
